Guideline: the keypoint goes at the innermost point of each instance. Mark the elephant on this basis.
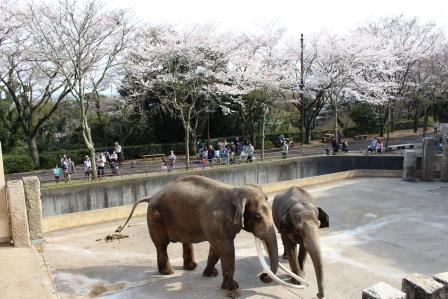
(193, 209)
(298, 221)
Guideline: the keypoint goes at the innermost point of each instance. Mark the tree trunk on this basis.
(263, 125)
(416, 115)
(187, 146)
(425, 121)
(388, 124)
(33, 151)
(192, 142)
(90, 145)
(335, 120)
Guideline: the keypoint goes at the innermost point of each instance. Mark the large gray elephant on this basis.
(298, 221)
(194, 209)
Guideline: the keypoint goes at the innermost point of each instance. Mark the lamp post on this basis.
(302, 105)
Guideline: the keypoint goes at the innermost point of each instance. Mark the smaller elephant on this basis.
(298, 221)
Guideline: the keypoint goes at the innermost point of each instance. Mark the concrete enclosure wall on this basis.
(4, 218)
(71, 199)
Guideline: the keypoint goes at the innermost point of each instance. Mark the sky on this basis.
(307, 16)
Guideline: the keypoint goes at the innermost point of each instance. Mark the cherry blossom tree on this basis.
(34, 83)
(181, 67)
(85, 43)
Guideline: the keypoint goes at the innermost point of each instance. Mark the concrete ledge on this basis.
(58, 222)
(418, 286)
(327, 178)
(382, 290)
(17, 209)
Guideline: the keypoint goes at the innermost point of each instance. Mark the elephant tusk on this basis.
(296, 277)
(268, 271)
(287, 271)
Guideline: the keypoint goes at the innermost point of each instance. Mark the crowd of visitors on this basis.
(66, 167)
(226, 152)
(339, 143)
(376, 146)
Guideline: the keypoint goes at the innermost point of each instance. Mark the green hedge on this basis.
(17, 163)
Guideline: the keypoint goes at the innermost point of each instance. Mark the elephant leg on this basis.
(291, 253)
(284, 241)
(210, 270)
(189, 263)
(302, 257)
(225, 249)
(161, 241)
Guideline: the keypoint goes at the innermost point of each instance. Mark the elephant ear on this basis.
(240, 205)
(323, 218)
(285, 224)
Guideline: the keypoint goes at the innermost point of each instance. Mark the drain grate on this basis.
(443, 191)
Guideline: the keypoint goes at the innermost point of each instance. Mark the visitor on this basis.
(203, 162)
(164, 167)
(65, 169)
(172, 159)
(221, 145)
(117, 149)
(226, 154)
(57, 173)
(334, 145)
(210, 155)
(87, 168)
(379, 146)
(217, 156)
(71, 168)
(113, 157)
(64, 157)
(101, 163)
(250, 153)
(204, 153)
(373, 145)
(344, 146)
(285, 149)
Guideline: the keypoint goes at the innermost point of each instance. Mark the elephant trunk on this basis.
(312, 245)
(270, 241)
(272, 248)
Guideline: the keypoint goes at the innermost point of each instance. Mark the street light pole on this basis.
(302, 112)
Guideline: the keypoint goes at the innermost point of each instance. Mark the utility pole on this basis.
(302, 104)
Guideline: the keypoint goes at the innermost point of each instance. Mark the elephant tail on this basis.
(120, 228)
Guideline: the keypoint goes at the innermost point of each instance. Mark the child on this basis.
(164, 167)
(203, 162)
(57, 173)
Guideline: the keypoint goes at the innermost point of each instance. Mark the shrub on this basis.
(17, 163)
(365, 117)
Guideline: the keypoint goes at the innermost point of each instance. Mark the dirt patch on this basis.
(113, 237)
(101, 288)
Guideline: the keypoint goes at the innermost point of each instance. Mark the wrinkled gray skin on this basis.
(298, 220)
(194, 209)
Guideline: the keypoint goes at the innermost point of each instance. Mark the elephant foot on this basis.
(230, 285)
(190, 266)
(213, 272)
(166, 270)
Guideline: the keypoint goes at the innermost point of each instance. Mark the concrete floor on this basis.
(381, 229)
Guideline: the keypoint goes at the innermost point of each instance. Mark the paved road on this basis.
(141, 166)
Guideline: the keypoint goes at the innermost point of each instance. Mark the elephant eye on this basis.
(257, 216)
